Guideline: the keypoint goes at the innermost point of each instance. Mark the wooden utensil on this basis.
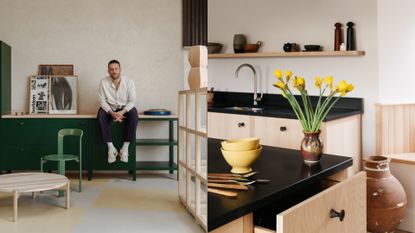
(227, 178)
(228, 186)
(223, 192)
(233, 174)
(232, 181)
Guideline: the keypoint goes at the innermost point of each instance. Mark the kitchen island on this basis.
(290, 179)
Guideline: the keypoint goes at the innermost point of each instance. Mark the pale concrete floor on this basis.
(108, 203)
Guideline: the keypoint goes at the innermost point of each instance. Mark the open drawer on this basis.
(314, 214)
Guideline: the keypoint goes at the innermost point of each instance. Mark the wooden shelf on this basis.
(289, 54)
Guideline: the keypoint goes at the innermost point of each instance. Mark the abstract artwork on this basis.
(39, 94)
(63, 95)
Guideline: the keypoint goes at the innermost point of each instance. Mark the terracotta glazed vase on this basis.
(311, 147)
(386, 198)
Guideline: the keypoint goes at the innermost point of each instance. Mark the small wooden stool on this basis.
(18, 183)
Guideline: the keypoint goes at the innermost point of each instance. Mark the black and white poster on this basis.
(63, 95)
(39, 94)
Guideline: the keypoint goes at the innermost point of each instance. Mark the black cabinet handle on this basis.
(241, 124)
(21, 123)
(283, 128)
(335, 214)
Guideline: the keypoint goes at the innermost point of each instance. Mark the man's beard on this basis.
(115, 77)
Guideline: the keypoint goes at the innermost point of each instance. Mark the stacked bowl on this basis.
(240, 154)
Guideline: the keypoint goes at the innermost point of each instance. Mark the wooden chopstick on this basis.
(221, 181)
(228, 186)
(223, 192)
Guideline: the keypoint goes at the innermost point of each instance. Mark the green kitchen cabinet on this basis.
(99, 158)
(21, 143)
(21, 131)
(5, 78)
(71, 144)
(20, 157)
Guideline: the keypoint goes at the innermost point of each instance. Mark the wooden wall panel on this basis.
(395, 128)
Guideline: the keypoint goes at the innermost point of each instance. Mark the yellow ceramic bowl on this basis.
(242, 144)
(241, 161)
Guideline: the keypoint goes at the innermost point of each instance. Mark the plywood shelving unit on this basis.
(193, 153)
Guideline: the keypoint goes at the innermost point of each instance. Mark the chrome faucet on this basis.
(256, 98)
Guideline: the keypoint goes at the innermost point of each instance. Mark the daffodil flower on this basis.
(318, 81)
(342, 87)
(309, 115)
(299, 83)
(349, 88)
(280, 85)
(278, 74)
(288, 75)
(329, 81)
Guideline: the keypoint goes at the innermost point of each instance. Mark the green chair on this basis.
(61, 158)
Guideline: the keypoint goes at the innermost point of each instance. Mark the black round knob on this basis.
(21, 123)
(335, 214)
(241, 124)
(283, 128)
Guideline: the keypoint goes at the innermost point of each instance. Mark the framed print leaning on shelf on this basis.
(39, 94)
(55, 70)
(63, 95)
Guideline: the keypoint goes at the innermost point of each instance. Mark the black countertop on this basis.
(285, 169)
(275, 105)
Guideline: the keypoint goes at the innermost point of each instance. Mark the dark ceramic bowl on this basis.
(214, 47)
(312, 47)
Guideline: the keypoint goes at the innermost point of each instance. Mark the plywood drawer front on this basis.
(279, 132)
(228, 126)
(312, 215)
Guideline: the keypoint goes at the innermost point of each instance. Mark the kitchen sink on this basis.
(237, 108)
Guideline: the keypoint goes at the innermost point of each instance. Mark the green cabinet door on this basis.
(5, 78)
(21, 132)
(20, 157)
(71, 144)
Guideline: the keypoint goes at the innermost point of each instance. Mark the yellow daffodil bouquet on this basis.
(309, 116)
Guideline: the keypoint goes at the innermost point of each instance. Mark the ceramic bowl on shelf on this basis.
(312, 47)
(252, 48)
(241, 161)
(242, 144)
(214, 47)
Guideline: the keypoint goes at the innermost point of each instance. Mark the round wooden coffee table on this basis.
(18, 183)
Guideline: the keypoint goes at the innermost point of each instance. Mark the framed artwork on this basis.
(39, 94)
(55, 70)
(63, 95)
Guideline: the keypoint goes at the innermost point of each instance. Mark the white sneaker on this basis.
(124, 155)
(112, 155)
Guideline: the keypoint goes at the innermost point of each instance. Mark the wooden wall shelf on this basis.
(289, 54)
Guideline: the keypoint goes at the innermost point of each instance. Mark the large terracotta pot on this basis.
(386, 198)
(311, 147)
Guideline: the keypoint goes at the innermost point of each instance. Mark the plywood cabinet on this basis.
(228, 126)
(340, 137)
(278, 132)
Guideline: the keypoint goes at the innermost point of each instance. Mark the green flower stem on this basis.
(328, 109)
(296, 107)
